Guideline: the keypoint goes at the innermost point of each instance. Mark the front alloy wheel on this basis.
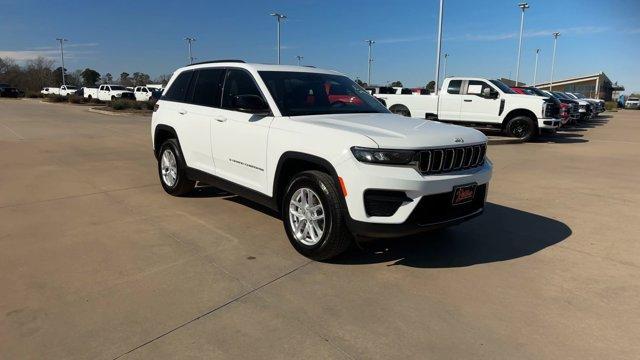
(313, 217)
(306, 216)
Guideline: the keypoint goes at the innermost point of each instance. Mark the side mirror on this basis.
(489, 93)
(252, 104)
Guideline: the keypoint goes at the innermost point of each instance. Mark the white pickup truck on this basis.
(145, 93)
(108, 92)
(64, 90)
(480, 103)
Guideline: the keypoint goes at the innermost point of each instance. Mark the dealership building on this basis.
(593, 86)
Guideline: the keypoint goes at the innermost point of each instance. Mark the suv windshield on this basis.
(303, 93)
(502, 86)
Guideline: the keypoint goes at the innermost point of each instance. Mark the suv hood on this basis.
(399, 132)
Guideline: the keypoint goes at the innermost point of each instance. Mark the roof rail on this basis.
(219, 61)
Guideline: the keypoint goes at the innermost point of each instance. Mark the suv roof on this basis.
(256, 67)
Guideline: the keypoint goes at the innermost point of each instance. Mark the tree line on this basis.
(38, 73)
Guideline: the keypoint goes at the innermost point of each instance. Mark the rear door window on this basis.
(208, 87)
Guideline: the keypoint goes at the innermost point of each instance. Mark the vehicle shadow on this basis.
(501, 233)
(566, 136)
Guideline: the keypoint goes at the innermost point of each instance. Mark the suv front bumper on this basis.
(426, 200)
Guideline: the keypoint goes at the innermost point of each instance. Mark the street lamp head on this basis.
(61, 39)
(523, 6)
(556, 34)
(370, 42)
(279, 16)
(446, 56)
(537, 51)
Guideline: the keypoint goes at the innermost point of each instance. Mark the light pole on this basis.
(299, 60)
(61, 40)
(189, 41)
(370, 42)
(439, 47)
(553, 60)
(535, 69)
(444, 68)
(279, 17)
(524, 6)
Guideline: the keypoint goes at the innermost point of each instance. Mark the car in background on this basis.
(586, 108)
(568, 106)
(598, 105)
(632, 103)
(374, 90)
(110, 92)
(420, 91)
(564, 109)
(11, 92)
(145, 93)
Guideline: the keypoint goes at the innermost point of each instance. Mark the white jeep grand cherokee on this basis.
(316, 147)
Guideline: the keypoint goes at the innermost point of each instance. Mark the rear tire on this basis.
(320, 231)
(521, 127)
(171, 169)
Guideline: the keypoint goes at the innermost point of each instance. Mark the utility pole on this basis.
(61, 40)
(439, 47)
(535, 69)
(522, 6)
(444, 68)
(279, 18)
(553, 60)
(299, 60)
(189, 41)
(370, 42)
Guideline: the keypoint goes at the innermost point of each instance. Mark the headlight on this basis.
(384, 156)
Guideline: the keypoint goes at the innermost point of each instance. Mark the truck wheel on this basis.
(171, 169)
(521, 127)
(89, 97)
(313, 218)
(113, 98)
(400, 110)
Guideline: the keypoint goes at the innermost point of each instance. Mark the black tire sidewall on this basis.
(331, 217)
(172, 145)
(401, 110)
(532, 127)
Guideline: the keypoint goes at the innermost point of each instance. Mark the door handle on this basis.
(220, 118)
(182, 112)
(468, 100)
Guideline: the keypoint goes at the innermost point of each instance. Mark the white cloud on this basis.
(23, 55)
(580, 30)
(51, 52)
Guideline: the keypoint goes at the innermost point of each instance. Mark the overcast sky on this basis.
(481, 37)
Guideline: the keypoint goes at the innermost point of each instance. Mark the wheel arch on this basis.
(161, 134)
(399, 107)
(293, 162)
(520, 112)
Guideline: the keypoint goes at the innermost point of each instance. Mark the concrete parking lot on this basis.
(97, 262)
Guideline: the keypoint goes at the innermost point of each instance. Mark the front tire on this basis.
(313, 217)
(521, 127)
(171, 169)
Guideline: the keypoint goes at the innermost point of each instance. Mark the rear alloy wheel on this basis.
(313, 217)
(171, 170)
(521, 127)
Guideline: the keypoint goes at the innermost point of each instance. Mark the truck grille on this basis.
(438, 161)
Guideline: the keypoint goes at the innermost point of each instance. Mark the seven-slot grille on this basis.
(437, 161)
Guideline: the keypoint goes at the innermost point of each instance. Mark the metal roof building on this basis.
(597, 86)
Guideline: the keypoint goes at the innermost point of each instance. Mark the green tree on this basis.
(396, 83)
(140, 79)
(90, 77)
(125, 80)
(108, 78)
(431, 86)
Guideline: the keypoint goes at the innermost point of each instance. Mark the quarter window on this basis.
(454, 87)
(178, 88)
